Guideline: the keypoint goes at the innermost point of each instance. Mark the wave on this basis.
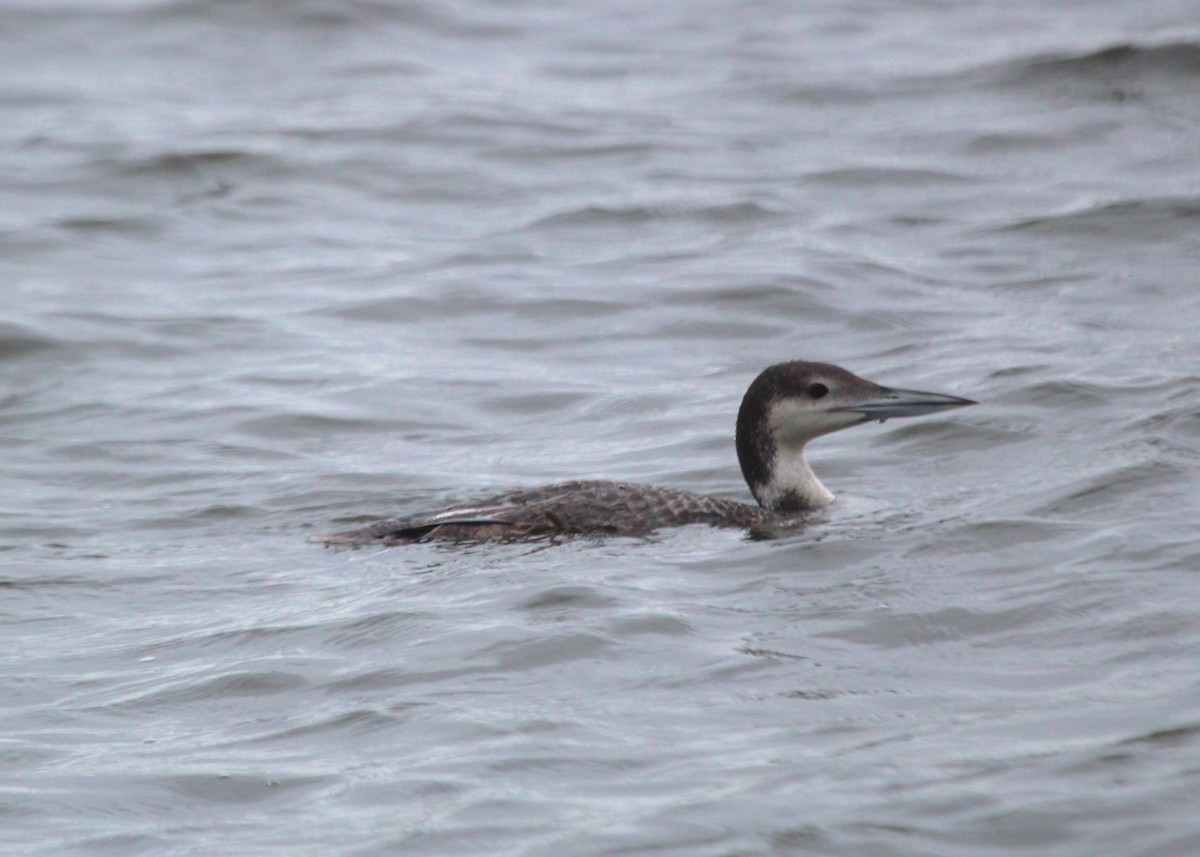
(1164, 218)
(636, 215)
(1115, 74)
(16, 340)
(434, 19)
(1175, 59)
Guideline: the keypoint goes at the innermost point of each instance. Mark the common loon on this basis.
(788, 405)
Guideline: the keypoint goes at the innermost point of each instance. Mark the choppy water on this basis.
(267, 268)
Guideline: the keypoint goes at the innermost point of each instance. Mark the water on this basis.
(268, 269)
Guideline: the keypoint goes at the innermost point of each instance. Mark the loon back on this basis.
(565, 509)
(785, 407)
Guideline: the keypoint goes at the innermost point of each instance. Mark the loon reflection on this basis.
(788, 405)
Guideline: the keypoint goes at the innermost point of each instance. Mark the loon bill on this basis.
(788, 405)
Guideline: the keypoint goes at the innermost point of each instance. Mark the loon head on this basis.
(789, 404)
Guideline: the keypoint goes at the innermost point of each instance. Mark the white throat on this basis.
(793, 485)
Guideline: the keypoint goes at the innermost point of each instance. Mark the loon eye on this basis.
(816, 391)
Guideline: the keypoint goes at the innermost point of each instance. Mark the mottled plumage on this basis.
(787, 405)
(565, 509)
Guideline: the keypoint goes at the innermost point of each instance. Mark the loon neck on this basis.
(777, 472)
(792, 486)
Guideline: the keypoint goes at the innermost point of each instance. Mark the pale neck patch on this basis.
(793, 486)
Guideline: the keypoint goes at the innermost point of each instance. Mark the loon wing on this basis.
(411, 528)
(465, 515)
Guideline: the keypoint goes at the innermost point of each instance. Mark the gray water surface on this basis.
(269, 269)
